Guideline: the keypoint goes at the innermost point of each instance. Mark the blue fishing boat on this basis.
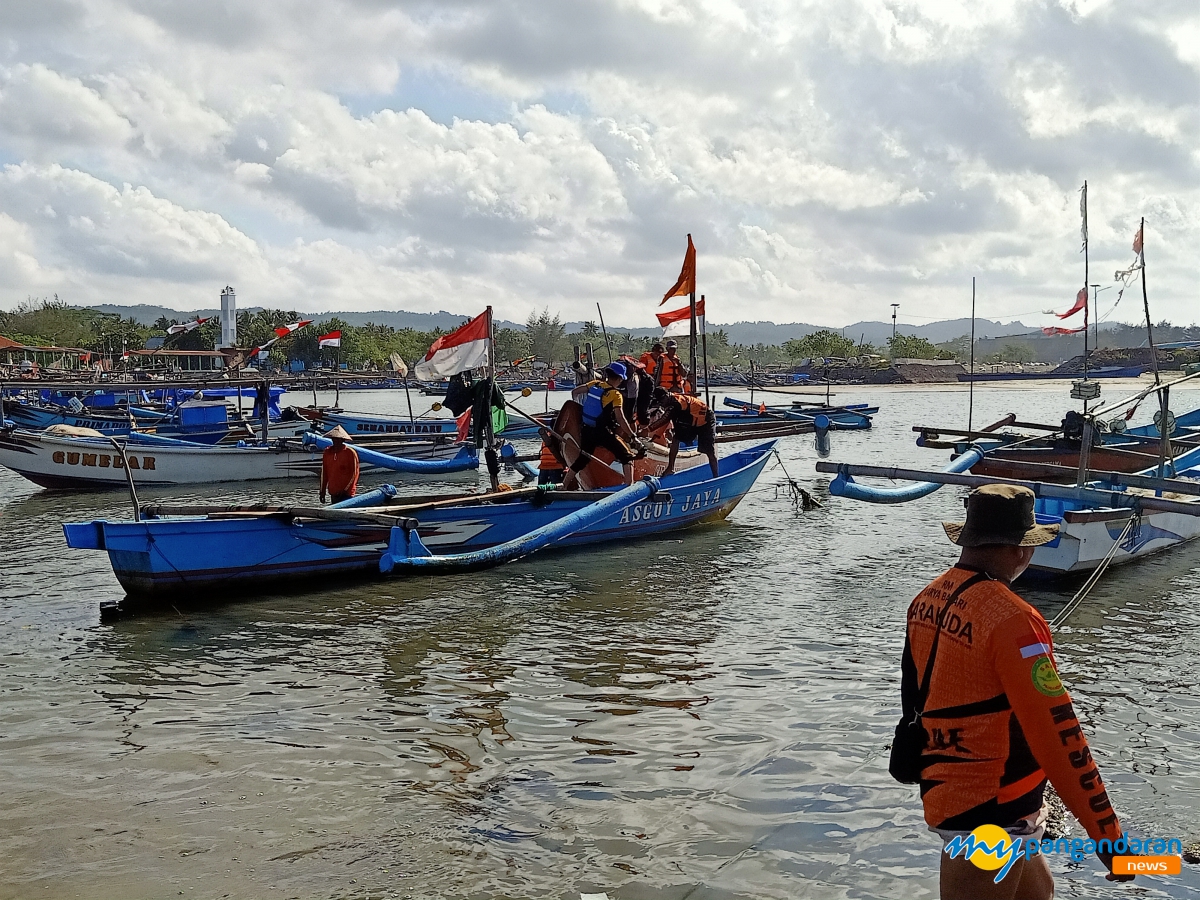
(169, 550)
(400, 427)
(852, 416)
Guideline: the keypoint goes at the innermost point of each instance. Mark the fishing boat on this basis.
(849, 417)
(1102, 372)
(173, 549)
(399, 427)
(1111, 520)
(72, 459)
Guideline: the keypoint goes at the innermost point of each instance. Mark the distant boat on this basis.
(1103, 372)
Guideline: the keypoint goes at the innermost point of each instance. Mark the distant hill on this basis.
(750, 333)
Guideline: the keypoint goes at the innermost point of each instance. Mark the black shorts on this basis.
(705, 437)
(592, 437)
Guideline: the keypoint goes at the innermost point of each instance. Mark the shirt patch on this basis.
(1035, 650)
(1045, 678)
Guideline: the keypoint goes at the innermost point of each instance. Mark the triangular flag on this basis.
(187, 326)
(285, 330)
(687, 277)
(1081, 300)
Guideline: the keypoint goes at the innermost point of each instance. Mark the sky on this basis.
(829, 159)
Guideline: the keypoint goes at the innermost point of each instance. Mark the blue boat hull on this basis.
(165, 556)
(365, 424)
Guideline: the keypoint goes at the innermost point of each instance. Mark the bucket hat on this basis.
(1000, 514)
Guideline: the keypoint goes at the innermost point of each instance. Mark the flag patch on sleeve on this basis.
(1038, 649)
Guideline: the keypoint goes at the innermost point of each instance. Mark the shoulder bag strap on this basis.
(923, 692)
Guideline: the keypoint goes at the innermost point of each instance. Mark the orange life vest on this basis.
(694, 408)
(647, 359)
(670, 373)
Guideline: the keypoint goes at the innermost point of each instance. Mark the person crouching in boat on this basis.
(339, 468)
(986, 718)
(604, 422)
(691, 420)
(550, 468)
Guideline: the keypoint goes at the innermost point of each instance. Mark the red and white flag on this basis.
(333, 339)
(187, 326)
(285, 330)
(679, 322)
(458, 351)
(1081, 302)
(1137, 241)
(1056, 330)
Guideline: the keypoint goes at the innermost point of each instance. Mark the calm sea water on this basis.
(702, 716)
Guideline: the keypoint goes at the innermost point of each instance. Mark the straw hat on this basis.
(1000, 514)
(338, 434)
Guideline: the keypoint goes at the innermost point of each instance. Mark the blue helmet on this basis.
(617, 369)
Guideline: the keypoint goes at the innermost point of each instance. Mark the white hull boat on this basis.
(89, 463)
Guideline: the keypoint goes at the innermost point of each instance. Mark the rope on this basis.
(1081, 595)
(802, 500)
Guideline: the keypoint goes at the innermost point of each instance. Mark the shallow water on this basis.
(702, 716)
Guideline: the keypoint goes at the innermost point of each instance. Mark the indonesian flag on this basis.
(679, 322)
(285, 330)
(458, 351)
(262, 347)
(333, 339)
(187, 326)
(1055, 330)
(1137, 241)
(125, 356)
(687, 277)
(1081, 300)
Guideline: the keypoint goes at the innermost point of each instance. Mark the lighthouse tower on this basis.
(228, 319)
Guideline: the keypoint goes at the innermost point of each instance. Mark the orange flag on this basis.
(1137, 241)
(687, 278)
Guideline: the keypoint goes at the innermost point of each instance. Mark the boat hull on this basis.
(157, 557)
(69, 463)
(1086, 537)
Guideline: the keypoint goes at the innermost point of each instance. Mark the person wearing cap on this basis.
(604, 422)
(649, 360)
(978, 674)
(339, 468)
(670, 374)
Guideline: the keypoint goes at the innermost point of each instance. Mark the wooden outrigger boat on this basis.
(186, 549)
(59, 459)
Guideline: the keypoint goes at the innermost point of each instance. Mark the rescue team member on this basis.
(339, 468)
(550, 469)
(604, 422)
(997, 718)
(669, 373)
(692, 421)
(637, 391)
(650, 360)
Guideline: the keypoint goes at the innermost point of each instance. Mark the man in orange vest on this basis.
(692, 420)
(669, 373)
(339, 468)
(650, 359)
(987, 720)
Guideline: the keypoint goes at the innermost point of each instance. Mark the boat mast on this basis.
(692, 339)
(1083, 212)
(971, 379)
(1164, 424)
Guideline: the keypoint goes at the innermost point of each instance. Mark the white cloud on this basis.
(429, 154)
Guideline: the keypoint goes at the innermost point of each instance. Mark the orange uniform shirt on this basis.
(998, 717)
(339, 471)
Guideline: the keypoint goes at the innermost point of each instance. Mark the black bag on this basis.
(911, 738)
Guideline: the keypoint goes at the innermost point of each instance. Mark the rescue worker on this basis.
(339, 468)
(638, 391)
(550, 468)
(650, 359)
(669, 372)
(604, 422)
(691, 420)
(979, 675)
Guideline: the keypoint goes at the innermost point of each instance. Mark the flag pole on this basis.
(971, 383)
(337, 371)
(1083, 209)
(704, 342)
(692, 336)
(493, 459)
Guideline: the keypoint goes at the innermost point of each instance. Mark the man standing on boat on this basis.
(604, 422)
(691, 420)
(980, 691)
(339, 468)
(670, 373)
(650, 359)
